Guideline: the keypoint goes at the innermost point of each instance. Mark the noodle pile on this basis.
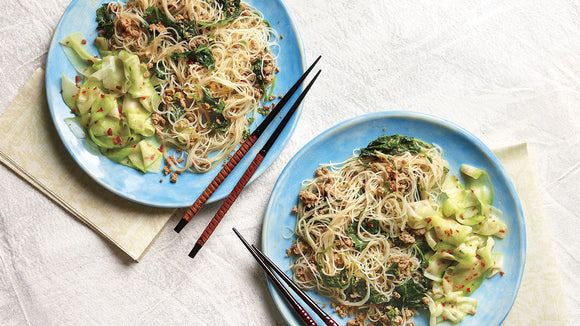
(354, 244)
(214, 63)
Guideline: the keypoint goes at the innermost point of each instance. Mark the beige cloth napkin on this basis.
(540, 300)
(29, 145)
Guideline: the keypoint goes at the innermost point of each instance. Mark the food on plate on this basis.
(114, 105)
(389, 232)
(210, 64)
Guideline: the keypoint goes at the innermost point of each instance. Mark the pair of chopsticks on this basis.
(270, 268)
(238, 155)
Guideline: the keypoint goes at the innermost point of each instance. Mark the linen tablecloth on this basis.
(505, 70)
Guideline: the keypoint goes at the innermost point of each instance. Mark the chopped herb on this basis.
(263, 111)
(246, 134)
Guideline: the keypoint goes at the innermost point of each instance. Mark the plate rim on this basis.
(280, 304)
(51, 98)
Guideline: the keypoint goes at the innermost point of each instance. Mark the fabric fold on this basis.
(30, 146)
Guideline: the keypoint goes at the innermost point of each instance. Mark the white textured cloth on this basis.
(505, 70)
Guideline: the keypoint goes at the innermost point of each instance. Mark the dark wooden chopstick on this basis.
(248, 174)
(301, 311)
(323, 315)
(239, 154)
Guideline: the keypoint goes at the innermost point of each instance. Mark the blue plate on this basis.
(496, 296)
(146, 189)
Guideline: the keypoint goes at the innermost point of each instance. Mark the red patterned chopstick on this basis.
(323, 315)
(248, 174)
(301, 311)
(239, 154)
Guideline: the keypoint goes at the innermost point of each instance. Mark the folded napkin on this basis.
(540, 300)
(30, 146)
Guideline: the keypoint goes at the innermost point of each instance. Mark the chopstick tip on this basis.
(194, 251)
(182, 223)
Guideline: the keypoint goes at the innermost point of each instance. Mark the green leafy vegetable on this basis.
(216, 105)
(422, 248)
(181, 29)
(340, 280)
(105, 21)
(411, 294)
(231, 10)
(370, 226)
(394, 145)
(202, 55)
(257, 70)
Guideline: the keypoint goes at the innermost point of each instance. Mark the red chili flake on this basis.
(501, 273)
(148, 17)
(161, 148)
(77, 79)
(472, 191)
(84, 41)
(90, 61)
(143, 97)
(190, 62)
(67, 42)
(482, 264)
(96, 121)
(84, 92)
(479, 223)
(90, 118)
(450, 252)
(110, 132)
(73, 110)
(429, 220)
(473, 208)
(477, 256)
(468, 290)
(120, 110)
(102, 95)
(61, 91)
(461, 215)
(118, 87)
(96, 57)
(501, 231)
(442, 250)
(444, 318)
(100, 110)
(475, 275)
(443, 304)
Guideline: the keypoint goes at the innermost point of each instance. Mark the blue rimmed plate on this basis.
(496, 296)
(146, 189)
